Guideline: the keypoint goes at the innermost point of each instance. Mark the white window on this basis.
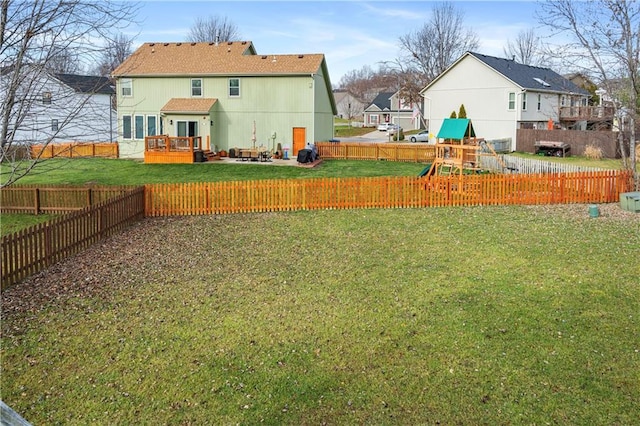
(126, 87)
(563, 100)
(524, 101)
(54, 125)
(46, 98)
(126, 127)
(539, 107)
(139, 127)
(512, 101)
(234, 87)
(196, 87)
(151, 125)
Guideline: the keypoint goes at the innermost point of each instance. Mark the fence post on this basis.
(36, 199)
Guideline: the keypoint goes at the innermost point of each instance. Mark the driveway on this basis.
(373, 136)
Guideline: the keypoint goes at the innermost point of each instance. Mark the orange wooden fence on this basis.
(55, 198)
(33, 249)
(408, 152)
(75, 150)
(383, 192)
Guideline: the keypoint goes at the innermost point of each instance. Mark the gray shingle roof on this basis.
(87, 83)
(530, 77)
(383, 100)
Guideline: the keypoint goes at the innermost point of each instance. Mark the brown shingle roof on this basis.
(228, 58)
(189, 105)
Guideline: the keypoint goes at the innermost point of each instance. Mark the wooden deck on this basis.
(174, 149)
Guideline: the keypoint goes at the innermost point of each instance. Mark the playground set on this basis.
(458, 150)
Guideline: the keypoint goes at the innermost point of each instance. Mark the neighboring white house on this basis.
(387, 107)
(348, 105)
(53, 107)
(499, 96)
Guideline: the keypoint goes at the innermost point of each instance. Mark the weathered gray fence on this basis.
(513, 164)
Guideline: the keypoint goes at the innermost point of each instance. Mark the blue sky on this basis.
(350, 34)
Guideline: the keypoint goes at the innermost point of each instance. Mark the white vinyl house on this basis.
(499, 96)
(58, 107)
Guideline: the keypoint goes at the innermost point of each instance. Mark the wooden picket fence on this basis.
(31, 250)
(38, 199)
(75, 150)
(405, 152)
(383, 192)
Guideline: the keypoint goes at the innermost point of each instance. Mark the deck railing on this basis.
(171, 149)
(586, 113)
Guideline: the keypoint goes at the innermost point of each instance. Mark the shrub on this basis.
(593, 152)
(399, 136)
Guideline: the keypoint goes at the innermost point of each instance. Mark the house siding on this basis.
(484, 92)
(277, 104)
(81, 117)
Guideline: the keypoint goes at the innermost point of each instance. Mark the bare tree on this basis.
(63, 61)
(430, 50)
(32, 36)
(361, 83)
(116, 51)
(213, 29)
(442, 40)
(526, 49)
(604, 41)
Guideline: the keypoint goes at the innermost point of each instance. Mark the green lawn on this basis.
(130, 172)
(10, 223)
(485, 315)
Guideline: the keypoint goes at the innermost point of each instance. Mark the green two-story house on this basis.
(225, 94)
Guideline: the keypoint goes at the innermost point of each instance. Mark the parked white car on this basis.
(423, 136)
(393, 128)
(383, 127)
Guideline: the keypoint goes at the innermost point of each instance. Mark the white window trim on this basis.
(130, 127)
(146, 124)
(135, 126)
(126, 83)
(229, 88)
(201, 88)
(510, 102)
(539, 102)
